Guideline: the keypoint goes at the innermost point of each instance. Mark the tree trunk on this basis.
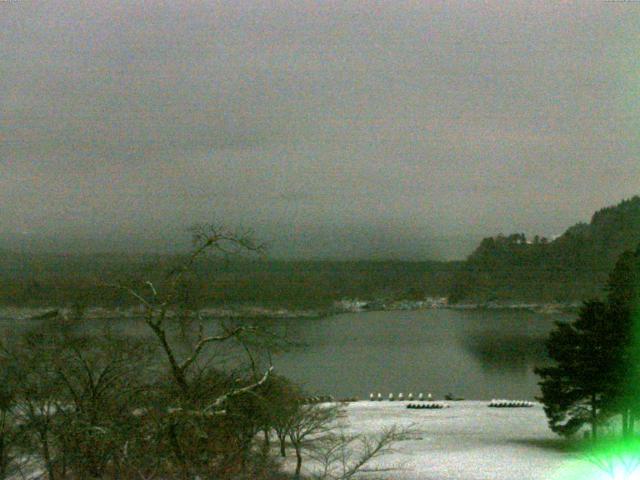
(628, 420)
(298, 462)
(178, 373)
(177, 450)
(46, 454)
(594, 418)
(3, 460)
(625, 423)
(282, 439)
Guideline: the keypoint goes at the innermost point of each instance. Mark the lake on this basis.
(475, 354)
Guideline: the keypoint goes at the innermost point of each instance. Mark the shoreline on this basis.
(259, 312)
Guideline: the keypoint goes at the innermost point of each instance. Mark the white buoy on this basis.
(420, 397)
(401, 396)
(391, 397)
(371, 397)
(379, 397)
(410, 397)
(429, 398)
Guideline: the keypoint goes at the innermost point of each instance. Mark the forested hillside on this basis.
(510, 268)
(65, 280)
(573, 266)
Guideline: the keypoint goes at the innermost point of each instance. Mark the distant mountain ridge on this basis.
(509, 269)
(571, 267)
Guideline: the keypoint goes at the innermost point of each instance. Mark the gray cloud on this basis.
(397, 121)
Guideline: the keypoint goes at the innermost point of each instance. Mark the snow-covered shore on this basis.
(256, 311)
(468, 441)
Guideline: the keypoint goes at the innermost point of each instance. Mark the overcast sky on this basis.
(334, 128)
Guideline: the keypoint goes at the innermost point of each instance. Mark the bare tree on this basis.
(12, 456)
(159, 305)
(73, 396)
(310, 423)
(283, 401)
(204, 428)
(38, 400)
(341, 456)
(101, 377)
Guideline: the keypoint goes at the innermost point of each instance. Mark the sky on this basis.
(334, 129)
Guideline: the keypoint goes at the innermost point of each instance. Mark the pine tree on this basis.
(573, 390)
(623, 296)
(596, 370)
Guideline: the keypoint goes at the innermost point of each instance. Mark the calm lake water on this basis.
(475, 354)
(472, 354)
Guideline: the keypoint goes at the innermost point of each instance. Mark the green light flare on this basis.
(608, 460)
(634, 382)
(616, 458)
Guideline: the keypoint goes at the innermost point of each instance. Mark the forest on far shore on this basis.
(510, 268)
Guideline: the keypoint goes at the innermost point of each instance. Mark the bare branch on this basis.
(223, 398)
(153, 289)
(131, 292)
(205, 340)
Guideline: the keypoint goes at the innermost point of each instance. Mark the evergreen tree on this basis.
(574, 388)
(623, 295)
(596, 371)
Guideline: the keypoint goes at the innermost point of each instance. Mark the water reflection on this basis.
(474, 354)
(506, 352)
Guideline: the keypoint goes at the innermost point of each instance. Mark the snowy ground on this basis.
(470, 441)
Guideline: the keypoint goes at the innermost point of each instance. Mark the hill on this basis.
(510, 268)
(57, 280)
(572, 267)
